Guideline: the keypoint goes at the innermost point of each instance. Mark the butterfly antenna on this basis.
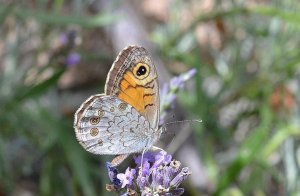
(182, 121)
(164, 126)
(170, 118)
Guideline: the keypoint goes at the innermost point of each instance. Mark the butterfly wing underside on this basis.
(107, 125)
(133, 79)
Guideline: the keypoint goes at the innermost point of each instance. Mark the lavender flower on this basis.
(159, 175)
(112, 174)
(168, 92)
(148, 156)
(127, 178)
(64, 39)
(184, 173)
(162, 158)
(73, 59)
(68, 38)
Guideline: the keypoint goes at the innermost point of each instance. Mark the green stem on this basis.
(57, 19)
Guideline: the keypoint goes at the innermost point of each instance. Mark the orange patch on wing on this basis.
(149, 99)
(130, 79)
(133, 94)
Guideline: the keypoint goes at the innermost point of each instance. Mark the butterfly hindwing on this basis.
(107, 125)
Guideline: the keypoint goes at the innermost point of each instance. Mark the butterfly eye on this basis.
(141, 71)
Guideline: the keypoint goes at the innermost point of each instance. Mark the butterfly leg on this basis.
(142, 159)
(119, 159)
(157, 148)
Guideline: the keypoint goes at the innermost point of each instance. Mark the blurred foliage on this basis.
(246, 93)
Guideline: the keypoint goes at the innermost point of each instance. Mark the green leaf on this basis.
(33, 91)
(76, 158)
(292, 17)
(248, 151)
(278, 139)
(58, 19)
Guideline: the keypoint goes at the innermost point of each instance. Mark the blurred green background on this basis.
(55, 54)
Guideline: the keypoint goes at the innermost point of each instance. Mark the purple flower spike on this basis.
(169, 90)
(162, 158)
(177, 192)
(148, 156)
(147, 192)
(112, 171)
(63, 38)
(175, 166)
(143, 181)
(131, 192)
(73, 59)
(67, 39)
(159, 176)
(146, 169)
(168, 175)
(184, 173)
(176, 82)
(127, 178)
(161, 190)
(112, 174)
(189, 74)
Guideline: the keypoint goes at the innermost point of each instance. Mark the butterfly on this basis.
(125, 118)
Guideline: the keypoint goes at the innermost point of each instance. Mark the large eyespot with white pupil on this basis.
(141, 70)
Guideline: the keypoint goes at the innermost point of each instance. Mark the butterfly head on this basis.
(161, 130)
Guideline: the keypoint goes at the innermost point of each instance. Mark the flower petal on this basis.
(183, 174)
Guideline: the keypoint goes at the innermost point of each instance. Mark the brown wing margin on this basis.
(117, 69)
(78, 114)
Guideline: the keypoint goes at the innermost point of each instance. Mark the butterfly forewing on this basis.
(133, 78)
(107, 125)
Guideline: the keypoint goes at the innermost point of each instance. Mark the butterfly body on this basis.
(124, 119)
